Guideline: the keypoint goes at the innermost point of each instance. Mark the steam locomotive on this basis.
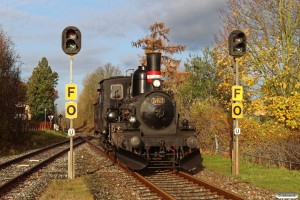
(139, 121)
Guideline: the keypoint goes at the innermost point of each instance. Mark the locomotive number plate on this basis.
(157, 100)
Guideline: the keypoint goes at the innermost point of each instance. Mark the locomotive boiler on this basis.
(139, 121)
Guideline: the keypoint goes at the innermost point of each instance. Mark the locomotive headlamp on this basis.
(104, 132)
(135, 141)
(156, 83)
(112, 116)
(132, 119)
(192, 142)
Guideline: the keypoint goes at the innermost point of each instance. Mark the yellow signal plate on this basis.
(237, 110)
(71, 110)
(71, 91)
(237, 93)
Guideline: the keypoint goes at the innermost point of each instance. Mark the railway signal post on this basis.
(71, 45)
(237, 48)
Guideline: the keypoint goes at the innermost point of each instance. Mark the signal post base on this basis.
(71, 165)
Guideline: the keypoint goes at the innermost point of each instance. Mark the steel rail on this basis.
(154, 188)
(9, 184)
(211, 186)
(10, 162)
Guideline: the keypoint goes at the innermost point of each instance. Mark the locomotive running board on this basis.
(192, 161)
(132, 160)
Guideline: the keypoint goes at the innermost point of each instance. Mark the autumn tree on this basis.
(41, 92)
(10, 89)
(89, 94)
(269, 73)
(271, 68)
(158, 41)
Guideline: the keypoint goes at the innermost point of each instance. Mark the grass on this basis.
(68, 189)
(48, 136)
(272, 178)
(31, 140)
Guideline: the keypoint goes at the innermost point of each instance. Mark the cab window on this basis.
(116, 91)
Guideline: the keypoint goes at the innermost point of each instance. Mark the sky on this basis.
(108, 27)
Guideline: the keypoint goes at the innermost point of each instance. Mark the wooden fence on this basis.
(266, 161)
(37, 126)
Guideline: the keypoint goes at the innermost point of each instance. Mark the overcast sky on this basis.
(107, 28)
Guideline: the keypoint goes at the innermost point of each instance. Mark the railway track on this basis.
(172, 184)
(15, 171)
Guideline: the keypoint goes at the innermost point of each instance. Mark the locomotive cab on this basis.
(112, 93)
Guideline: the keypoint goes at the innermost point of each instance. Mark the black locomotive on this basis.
(139, 121)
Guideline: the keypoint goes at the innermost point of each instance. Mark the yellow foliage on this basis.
(285, 110)
(249, 80)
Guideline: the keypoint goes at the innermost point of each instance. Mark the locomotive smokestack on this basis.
(153, 69)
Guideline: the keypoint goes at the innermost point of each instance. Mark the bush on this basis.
(267, 139)
(211, 122)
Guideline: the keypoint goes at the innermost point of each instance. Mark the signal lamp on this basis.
(71, 40)
(237, 43)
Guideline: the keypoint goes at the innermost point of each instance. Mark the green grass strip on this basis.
(272, 178)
